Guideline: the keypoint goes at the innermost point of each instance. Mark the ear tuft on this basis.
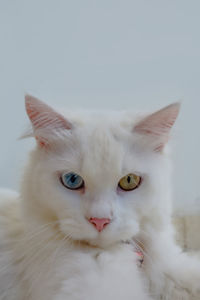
(43, 116)
(44, 120)
(158, 125)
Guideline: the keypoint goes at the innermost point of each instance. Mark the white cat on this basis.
(97, 185)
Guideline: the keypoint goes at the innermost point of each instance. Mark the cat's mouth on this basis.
(85, 244)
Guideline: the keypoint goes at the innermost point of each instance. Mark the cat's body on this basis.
(57, 270)
(42, 265)
(58, 242)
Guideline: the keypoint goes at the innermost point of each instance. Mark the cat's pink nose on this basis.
(99, 223)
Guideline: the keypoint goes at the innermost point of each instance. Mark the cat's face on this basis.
(78, 172)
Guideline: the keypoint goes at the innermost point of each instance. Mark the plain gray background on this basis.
(110, 54)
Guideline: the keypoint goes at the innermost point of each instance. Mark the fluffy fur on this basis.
(49, 250)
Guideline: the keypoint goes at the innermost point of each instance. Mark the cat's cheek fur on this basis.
(51, 201)
(122, 227)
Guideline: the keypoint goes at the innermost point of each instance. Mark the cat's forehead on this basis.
(101, 153)
(108, 118)
(99, 143)
(97, 149)
(102, 136)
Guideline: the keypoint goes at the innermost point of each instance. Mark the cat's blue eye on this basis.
(72, 181)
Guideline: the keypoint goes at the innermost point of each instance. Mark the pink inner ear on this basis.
(158, 125)
(160, 147)
(44, 117)
(43, 143)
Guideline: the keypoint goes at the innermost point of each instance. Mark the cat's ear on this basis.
(157, 126)
(45, 120)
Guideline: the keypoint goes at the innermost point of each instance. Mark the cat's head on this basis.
(101, 175)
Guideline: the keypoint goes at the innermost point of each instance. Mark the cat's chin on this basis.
(102, 240)
(97, 243)
(98, 240)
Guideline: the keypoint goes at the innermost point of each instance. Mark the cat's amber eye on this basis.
(129, 182)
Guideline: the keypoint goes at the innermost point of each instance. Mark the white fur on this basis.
(51, 251)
